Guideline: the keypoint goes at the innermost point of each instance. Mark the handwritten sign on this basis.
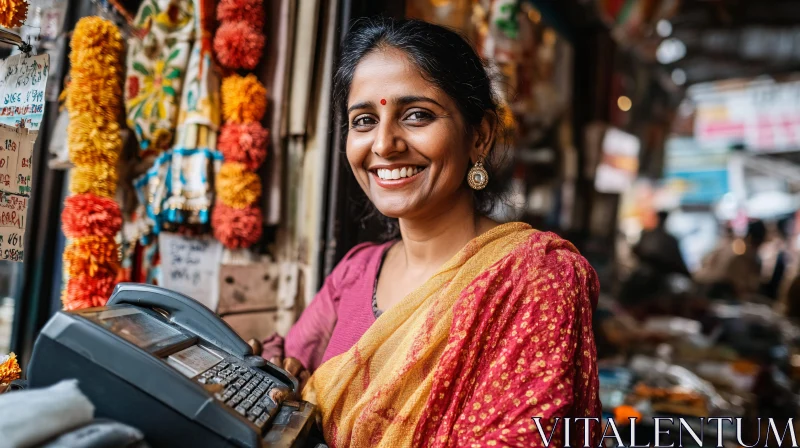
(22, 87)
(190, 266)
(22, 84)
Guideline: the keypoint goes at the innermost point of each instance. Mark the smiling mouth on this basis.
(398, 173)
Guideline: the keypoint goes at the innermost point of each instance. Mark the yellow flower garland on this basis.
(244, 99)
(96, 37)
(99, 179)
(94, 96)
(236, 186)
(92, 140)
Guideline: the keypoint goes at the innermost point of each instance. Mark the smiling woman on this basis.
(461, 329)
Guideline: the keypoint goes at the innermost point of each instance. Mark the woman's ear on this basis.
(484, 137)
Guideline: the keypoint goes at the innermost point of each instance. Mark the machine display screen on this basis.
(137, 327)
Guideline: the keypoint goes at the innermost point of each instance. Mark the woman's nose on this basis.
(387, 141)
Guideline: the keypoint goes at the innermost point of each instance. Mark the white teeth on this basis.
(397, 173)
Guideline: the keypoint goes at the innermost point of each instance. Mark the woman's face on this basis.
(407, 143)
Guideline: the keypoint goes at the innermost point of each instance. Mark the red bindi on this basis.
(383, 101)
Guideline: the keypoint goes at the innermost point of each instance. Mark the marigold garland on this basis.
(13, 13)
(238, 45)
(87, 214)
(91, 219)
(92, 140)
(9, 369)
(245, 143)
(93, 97)
(95, 36)
(236, 186)
(244, 99)
(237, 228)
(84, 291)
(236, 219)
(99, 179)
(250, 11)
(92, 254)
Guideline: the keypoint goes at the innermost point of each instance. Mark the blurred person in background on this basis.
(733, 269)
(658, 248)
(775, 256)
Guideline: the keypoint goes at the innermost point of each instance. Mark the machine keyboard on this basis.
(246, 391)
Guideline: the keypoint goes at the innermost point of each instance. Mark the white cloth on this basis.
(31, 417)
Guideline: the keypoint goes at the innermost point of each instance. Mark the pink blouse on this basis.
(340, 313)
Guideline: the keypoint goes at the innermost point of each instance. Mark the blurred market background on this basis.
(662, 137)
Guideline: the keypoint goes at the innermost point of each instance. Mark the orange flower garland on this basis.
(91, 254)
(91, 219)
(13, 13)
(244, 99)
(9, 369)
(237, 219)
(87, 214)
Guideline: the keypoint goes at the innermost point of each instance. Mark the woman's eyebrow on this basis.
(401, 101)
(361, 105)
(406, 100)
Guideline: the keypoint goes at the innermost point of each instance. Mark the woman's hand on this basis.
(294, 367)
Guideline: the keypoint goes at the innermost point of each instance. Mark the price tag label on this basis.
(22, 84)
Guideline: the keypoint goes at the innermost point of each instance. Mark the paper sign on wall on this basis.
(190, 266)
(22, 84)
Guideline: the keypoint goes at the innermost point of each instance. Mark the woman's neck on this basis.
(430, 241)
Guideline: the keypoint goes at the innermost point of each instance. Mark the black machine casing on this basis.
(165, 364)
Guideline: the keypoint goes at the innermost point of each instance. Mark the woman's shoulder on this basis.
(358, 261)
(363, 253)
(545, 254)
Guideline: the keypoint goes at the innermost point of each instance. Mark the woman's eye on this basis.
(363, 120)
(419, 116)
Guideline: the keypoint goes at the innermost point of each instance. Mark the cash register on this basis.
(167, 365)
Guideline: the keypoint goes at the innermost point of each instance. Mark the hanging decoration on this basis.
(91, 218)
(158, 56)
(244, 99)
(13, 13)
(9, 370)
(176, 193)
(244, 143)
(239, 43)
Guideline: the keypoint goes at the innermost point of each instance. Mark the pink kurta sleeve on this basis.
(309, 337)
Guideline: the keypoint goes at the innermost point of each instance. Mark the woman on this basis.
(462, 330)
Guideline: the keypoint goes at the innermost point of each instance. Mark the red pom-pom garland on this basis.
(244, 143)
(236, 228)
(87, 291)
(238, 45)
(87, 214)
(250, 11)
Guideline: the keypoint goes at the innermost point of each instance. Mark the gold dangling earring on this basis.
(477, 176)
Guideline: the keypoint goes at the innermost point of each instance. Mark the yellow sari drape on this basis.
(373, 395)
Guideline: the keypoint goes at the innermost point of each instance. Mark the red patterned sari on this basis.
(501, 334)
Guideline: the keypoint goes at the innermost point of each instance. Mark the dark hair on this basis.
(757, 232)
(663, 215)
(445, 59)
